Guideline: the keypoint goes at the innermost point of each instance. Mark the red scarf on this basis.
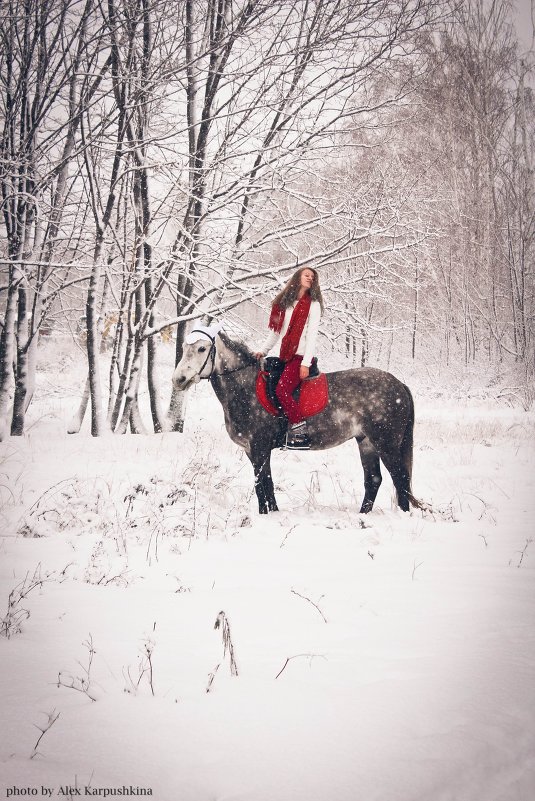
(290, 340)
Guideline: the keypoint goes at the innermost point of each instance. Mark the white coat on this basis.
(307, 341)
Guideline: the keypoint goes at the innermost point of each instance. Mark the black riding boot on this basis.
(297, 438)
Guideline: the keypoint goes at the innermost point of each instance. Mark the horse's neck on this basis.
(229, 361)
(230, 372)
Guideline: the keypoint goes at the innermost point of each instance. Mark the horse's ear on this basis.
(209, 331)
(217, 327)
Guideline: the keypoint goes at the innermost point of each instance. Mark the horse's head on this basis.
(198, 357)
(197, 362)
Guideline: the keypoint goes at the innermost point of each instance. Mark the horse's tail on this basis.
(406, 449)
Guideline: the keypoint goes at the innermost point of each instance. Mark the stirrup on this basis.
(297, 438)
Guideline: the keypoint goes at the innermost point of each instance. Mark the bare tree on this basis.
(266, 88)
(44, 47)
(480, 88)
(175, 161)
(245, 99)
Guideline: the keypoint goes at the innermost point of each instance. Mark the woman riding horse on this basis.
(293, 323)
(369, 405)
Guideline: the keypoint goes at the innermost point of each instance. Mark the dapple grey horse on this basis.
(368, 404)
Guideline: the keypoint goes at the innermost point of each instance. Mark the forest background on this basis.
(163, 162)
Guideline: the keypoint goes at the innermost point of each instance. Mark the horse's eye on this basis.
(202, 349)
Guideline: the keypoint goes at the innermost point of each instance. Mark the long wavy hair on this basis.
(290, 291)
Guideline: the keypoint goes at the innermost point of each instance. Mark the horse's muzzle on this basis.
(182, 382)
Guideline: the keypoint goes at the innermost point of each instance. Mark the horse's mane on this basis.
(240, 349)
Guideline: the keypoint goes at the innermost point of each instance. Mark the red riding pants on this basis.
(288, 382)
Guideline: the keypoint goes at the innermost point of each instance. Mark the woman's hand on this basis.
(303, 372)
(259, 355)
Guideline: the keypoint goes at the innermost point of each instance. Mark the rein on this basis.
(228, 372)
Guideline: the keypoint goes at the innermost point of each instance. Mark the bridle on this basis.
(211, 356)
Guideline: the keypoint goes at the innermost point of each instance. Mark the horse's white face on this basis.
(196, 363)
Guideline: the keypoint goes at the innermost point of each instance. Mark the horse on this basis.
(365, 403)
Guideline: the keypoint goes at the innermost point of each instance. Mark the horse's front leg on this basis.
(265, 491)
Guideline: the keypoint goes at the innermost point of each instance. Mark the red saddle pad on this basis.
(313, 395)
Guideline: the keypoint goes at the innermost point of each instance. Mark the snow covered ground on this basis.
(379, 658)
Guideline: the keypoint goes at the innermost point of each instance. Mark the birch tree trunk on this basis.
(7, 355)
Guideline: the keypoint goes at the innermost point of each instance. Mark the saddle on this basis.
(312, 394)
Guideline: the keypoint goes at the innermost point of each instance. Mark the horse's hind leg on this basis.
(263, 482)
(401, 478)
(372, 473)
